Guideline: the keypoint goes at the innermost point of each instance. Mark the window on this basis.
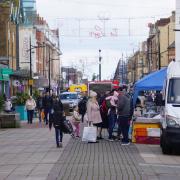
(174, 91)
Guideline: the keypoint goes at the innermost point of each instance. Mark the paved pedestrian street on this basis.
(30, 153)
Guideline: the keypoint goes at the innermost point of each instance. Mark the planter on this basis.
(9, 120)
(22, 112)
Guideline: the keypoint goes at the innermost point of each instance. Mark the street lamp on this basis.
(31, 47)
(159, 50)
(100, 64)
(49, 72)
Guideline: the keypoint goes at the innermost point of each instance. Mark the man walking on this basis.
(124, 113)
(39, 104)
(47, 104)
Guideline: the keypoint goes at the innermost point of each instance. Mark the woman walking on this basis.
(30, 106)
(93, 113)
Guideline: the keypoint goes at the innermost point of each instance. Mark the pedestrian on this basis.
(47, 104)
(7, 106)
(82, 107)
(124, 113)
(76, 119)
(93, 113)
(57, 116)
(112, 115)
(39, 104)
(158, 101)
(104, 111)
(30, 106)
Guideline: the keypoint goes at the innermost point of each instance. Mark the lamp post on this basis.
(159, 51)
(30, 51)
(49, 72)
(31, 47)
(100, 64)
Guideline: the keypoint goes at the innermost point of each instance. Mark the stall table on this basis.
(146, 130)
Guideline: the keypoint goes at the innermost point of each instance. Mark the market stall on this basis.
(153, 81)
(146, 127)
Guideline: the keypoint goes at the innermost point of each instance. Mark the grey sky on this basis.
(78, 37)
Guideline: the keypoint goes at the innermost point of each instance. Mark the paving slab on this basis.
(30, 153)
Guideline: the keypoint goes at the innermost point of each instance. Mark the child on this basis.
(76, 118)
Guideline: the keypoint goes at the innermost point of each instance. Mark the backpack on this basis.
(104, 107)
(108, 104)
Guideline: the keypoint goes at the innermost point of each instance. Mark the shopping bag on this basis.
(89, 134)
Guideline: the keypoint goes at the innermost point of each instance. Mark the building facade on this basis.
(161, 37)
(9, 18)
(25, 38)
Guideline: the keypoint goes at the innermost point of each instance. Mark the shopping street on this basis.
(30, 153)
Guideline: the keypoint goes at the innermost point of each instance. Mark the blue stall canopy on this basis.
(153, 81)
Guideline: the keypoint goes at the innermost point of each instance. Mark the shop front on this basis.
(5, 81)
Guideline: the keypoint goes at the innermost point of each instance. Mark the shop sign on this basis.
(31, 82)
(4, 74)
(7, 71)
(5, 77)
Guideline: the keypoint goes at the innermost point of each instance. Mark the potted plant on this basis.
(20, 102)
(36, 94)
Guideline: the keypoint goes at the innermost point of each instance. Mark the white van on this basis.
(170, 131)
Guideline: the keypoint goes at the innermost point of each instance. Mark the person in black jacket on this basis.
(159, 101)
(82, 107)
(124, 115)
(39, 106)
(47, 104)
(57, 116)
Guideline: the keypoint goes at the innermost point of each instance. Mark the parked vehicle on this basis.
(70, 98)
(170, 131)
(101, 87)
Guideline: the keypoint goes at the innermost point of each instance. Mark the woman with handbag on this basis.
(57, 117)
(93, 113)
